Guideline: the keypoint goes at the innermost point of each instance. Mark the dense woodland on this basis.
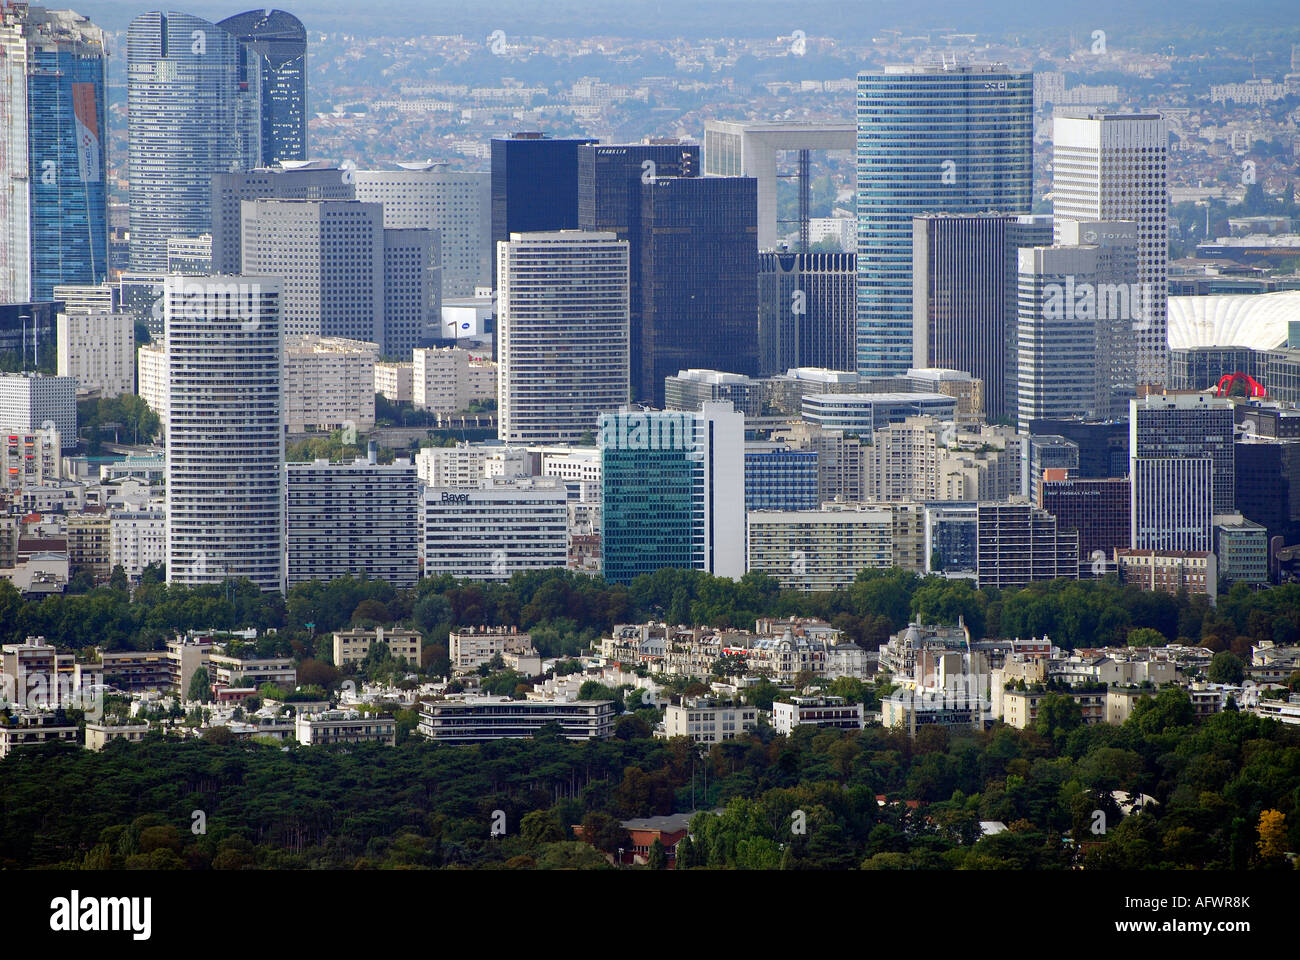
(566, 611)
(1228, 792)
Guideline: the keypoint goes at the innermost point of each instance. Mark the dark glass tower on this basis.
(534, 186)
(699, 279)
(274, 64)
(609, 198)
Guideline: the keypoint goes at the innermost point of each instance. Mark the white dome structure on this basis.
(1257, 321)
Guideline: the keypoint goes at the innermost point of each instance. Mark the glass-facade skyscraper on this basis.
(936, 138)
(53, 153)
(274, 63)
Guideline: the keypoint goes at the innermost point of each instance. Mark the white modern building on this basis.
(353, 519)
(562, 333)
(137, 538)
(455, 203)
(225, 433)
(819, 550)
(98, 351)
(447, 379)
(31, 402)
(1115, 167)
(496, 530)
(465, 464)
(151, 375)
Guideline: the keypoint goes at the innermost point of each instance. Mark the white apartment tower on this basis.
(98, 350)
(1114, 167)
(225, 434)
(563, 334)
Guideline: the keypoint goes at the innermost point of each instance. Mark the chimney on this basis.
(372, 453)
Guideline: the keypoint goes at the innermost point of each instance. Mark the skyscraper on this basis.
(610, 181)
(225, 434)
(189, 118)
(455, 203)
(699, 279)
(673, 491)
(563, 334)
(330, 254)
(931, 139)
(53, 152)
(273, 63)
(230, 190)
(807, 311)
(534, 186)
(1114, 167)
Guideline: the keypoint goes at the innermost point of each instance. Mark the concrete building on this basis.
(33, 728)
(471, 647)
(1020, 544)
(483, 719)
(396, 381)
(100, 735)
(1170, 571)
(448, 379)
(466, 464)
(28, 458)
(819, 550)
(707, 721)
(344, 726)
(563, 334)
(225, 435)
(352, 646)
(865, 412)
(151, 375)
(136, 540)
(1241, 550)
(351, 519)
(31, 402)
(98, 351)
(832, 712)
(496, 530)
(329, 384)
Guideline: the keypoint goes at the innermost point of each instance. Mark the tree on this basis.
(200, 686)
(1272, 836)
(1226, 667)
(658, 858)
(539, 827)
(1146, 637)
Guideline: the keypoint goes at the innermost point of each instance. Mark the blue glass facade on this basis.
(67, 150)
(931, 139)
(781, 480)
(648, 514)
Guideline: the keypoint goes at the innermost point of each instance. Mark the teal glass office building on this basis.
(936, 138)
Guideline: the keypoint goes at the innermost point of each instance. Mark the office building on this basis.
(1103, 445)
(534, 186)
(98, 351)
(818, 550)
(1111, 167)
(482, 719)
(454, 203)
(807, 305)
(1020, 233)
(689, 389)
(562, 334)
(412, 290)
(699, 280)
(190, 103)
(190, 256)
(1172, 504)
(951, 547)
(225, 433)
(1241, 550)
(1097, 509)
(273, 64)
(1268, 484)
(866, 412)
(951, 139)
(674, 491)
(53, 152)
(1187, 426)
(353, 519)
(1019, 544)
(610, 179)
(312, 181)
(329, 255)
(30, 402)
(496, 530)
(778, 477)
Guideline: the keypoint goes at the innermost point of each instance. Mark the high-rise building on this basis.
(807, 311)
(699, 279)
(610, 180)
(53, 152)
(330, 255)
(496, 529)
(534, 185)
(820, 549)
(954, 139)
(1097, 509)
(1185, 426)
(412, 290)
(273, 63)
(562, 332)
(1103, 444)
(98, 351)
(1032, 230)
(449, 379)
(351, 519)
(1171, 504)
(329, 384)
(315, 181)
(31, 402)
(225, 433)
(190, 105)
(1019, 544)
(455, 203)
(1114, 167)
(674, 491)
(778, 477)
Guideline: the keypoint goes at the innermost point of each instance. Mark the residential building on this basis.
(137, 539)
(832, 712)
(329, 384)
(30, 402)
(471, 647)
(1170, 571)
(353, 646)
(100, 735)
(707, 721)
(1020, 544)
(344, 726)
(33, 728)
(395, 381)
(98, 351)
(448, 379)
(482, 719)
(820, 550)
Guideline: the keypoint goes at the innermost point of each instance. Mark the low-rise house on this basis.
(345, 726)
(98, 735)
(479, 719)
(707, 721)
(816, 712)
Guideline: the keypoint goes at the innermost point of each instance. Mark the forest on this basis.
(1226, 791)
